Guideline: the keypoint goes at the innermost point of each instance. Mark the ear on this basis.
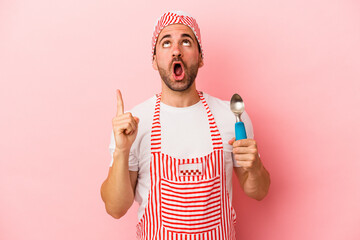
(201, 61)
(154, 63)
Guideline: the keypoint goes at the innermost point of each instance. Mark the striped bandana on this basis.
(173, 17)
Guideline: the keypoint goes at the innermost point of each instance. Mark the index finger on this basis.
(120, 103)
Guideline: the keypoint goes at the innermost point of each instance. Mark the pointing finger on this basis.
(120, 103)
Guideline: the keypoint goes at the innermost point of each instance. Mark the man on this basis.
(175, 153)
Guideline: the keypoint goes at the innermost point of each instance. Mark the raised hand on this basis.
(125, 126)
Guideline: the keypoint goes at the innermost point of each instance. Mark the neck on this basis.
(179, 99)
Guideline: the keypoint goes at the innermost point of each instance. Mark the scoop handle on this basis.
(240, 132)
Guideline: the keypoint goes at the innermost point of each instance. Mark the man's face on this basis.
(177, 57)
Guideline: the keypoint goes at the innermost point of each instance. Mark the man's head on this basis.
(177, 52)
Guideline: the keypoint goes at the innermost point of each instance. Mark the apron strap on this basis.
(156, 128)
(214, 131)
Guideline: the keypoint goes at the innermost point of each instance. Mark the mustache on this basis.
(177, 59)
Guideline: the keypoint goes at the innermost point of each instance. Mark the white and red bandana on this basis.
(173, 17)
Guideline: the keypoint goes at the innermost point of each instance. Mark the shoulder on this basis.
(222, 107)
(225, 118)
(212, 99)
(144, 108)
(218, 106)
(144, 111)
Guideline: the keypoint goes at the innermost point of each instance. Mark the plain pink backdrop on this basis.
(296, 64)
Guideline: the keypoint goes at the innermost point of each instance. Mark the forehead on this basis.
(175, 30)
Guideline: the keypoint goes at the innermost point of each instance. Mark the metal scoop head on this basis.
(237, 106)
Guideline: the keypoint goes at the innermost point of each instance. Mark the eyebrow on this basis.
(182, 35)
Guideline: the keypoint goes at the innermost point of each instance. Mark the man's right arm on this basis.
(118, 189)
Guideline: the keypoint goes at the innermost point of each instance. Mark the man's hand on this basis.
(125, 126)
(246, 154)
(253, 177)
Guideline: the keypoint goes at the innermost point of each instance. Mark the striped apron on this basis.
(188, 199)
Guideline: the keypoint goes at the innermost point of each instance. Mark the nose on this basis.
(176, 51)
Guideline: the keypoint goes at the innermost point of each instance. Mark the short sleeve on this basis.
(248, 125)
(133, 160)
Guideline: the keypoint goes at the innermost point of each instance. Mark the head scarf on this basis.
(173, 17)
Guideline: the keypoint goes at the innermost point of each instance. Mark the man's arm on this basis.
(252, 175)
(255, 184)
(118, 189)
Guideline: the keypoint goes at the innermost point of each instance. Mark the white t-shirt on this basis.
(184, 134)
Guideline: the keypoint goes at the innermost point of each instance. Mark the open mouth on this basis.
(178, 71)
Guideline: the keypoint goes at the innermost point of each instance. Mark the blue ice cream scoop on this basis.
(237, 106)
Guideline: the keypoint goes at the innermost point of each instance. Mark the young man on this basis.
(175, 153)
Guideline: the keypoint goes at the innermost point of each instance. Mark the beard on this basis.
(179, 86)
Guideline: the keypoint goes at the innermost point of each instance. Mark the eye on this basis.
(186, 42)
(166, 44)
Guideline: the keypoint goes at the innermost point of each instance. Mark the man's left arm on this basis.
(253, 177)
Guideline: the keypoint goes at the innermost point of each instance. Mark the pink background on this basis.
(296, 64)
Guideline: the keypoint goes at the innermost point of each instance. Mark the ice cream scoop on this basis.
(237, 106)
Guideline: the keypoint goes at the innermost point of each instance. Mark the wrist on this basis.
(256, 171)
(118, 152)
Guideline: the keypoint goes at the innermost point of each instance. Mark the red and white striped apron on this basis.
(188, 199)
